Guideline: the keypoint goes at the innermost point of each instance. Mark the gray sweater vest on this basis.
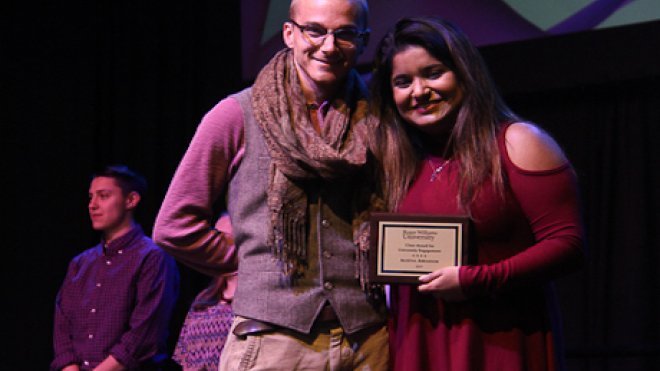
(263, 292)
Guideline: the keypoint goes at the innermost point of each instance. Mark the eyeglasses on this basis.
(346, 37)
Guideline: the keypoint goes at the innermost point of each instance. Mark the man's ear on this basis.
(287, 34)
(132, 200)
(363, 44)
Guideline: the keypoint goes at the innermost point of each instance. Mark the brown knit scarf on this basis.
(299, 154)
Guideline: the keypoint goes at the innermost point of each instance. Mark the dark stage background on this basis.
(90, 83)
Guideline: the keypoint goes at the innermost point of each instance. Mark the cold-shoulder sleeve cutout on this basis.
(531, 149)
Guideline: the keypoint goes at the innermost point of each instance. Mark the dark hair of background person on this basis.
(127, 179)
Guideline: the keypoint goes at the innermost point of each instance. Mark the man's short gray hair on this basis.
(363, 11)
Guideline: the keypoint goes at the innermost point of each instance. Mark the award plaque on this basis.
(406, 246)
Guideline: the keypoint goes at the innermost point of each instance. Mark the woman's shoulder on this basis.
(531, 148)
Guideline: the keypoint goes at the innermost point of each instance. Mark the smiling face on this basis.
(425, 91)
(323, 67)
(110, 211)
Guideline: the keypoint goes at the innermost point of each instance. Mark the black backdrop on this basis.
(90, 83)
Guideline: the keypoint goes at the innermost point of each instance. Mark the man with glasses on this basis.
(290, 156)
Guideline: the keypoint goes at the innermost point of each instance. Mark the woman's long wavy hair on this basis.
(473, 139)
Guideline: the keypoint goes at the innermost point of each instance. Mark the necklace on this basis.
(436, 169)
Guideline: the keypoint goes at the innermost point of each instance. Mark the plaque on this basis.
(406, 246)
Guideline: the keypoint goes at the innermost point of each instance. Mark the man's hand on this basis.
(110, 364)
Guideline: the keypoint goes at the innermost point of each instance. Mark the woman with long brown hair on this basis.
(449, 145)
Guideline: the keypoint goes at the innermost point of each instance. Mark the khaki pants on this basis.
(327, 347)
